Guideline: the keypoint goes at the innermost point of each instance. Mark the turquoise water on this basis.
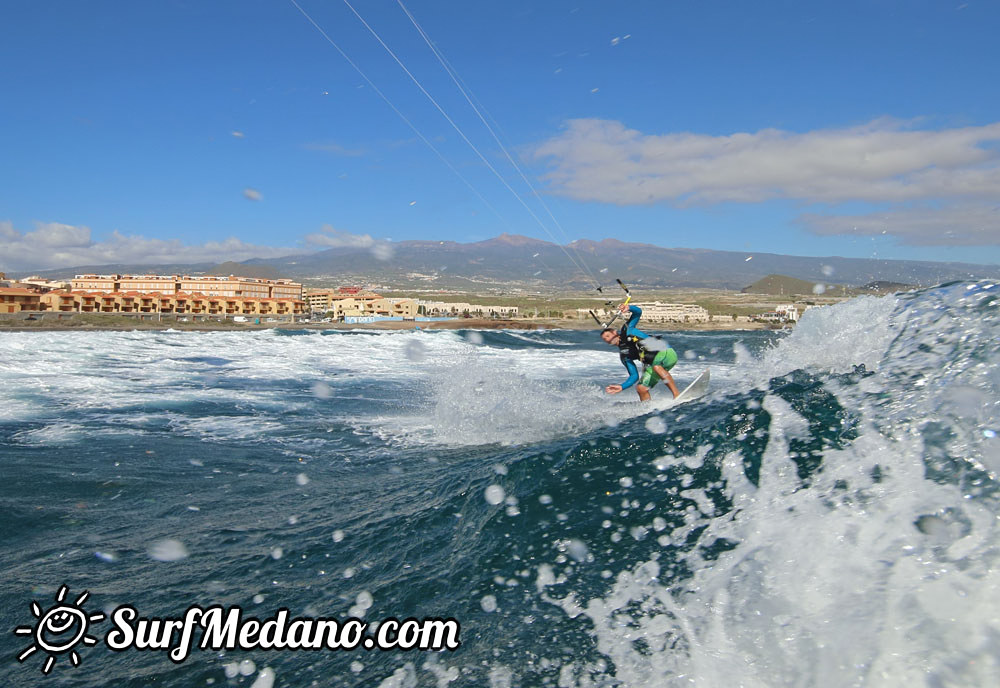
(826, 516)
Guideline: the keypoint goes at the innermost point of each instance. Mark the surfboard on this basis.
(696, 389)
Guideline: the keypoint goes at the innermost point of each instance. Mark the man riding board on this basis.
(635, 345)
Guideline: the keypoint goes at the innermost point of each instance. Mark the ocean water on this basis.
(826, 516)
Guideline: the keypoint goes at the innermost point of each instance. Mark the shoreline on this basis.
(89, 325)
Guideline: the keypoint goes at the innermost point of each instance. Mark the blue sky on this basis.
(153, 131)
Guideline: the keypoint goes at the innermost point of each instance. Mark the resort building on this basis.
(781, 314)
(105, 283)
(658, 312)
(42, 283)
(252, 287)
(180, 303)
(404, 308)
(674, 312)
(790, 311)
(15, 300)
(353, 302)
(173, 294)
(444, 308)
(352, 298)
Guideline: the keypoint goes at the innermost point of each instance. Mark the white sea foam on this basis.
(464, 392)
(827, 339)
(874, 574)
(54, 435)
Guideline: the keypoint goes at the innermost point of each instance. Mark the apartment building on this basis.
(16, 299)
(349, 298)
(209, 285)
(41, 283)
(354, 302)
(658, 312)
(445, 308)
(788, 313)
(674, 312)
(180, 303)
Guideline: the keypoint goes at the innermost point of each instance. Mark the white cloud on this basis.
(54, 245)
(328, 237)
(958, 225)
(883, 161)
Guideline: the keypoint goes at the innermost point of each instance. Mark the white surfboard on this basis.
(696, 389)
(660, 402)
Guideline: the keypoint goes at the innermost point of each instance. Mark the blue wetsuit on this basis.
(630, 329)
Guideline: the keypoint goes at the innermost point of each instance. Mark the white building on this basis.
(658, 312)
(789, 311)
(446, 308)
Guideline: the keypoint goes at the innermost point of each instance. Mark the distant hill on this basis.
(782, 285)
(510, 259)
(884, 287)
(513, 261)
(243, 270)
(123, 269)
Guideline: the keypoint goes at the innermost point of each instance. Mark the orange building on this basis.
(15, 300)
(181, 303)
(104, 283)
(208, 285)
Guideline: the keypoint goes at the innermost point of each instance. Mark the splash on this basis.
(877, 566)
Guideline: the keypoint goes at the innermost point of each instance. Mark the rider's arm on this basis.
(633, 321)
(633, 373)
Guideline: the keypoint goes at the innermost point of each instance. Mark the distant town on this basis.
(240, 299)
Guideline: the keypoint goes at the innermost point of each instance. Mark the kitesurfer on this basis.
(634, 345)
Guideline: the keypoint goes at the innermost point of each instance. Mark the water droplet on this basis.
(578, 550)
(167, 550)
(656, 425)
(416, 351)
(321, 390)
(494, 494)
(265, 679)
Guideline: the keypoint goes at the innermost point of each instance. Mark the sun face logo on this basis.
(59, 629)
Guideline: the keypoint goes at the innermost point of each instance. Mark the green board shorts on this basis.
(666, 358)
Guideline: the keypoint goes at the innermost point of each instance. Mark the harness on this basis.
(632, 347)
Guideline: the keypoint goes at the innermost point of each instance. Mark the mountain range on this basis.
(513, 260)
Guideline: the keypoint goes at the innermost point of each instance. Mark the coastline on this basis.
(122, 324)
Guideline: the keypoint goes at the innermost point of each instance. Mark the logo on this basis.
(59, 629)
